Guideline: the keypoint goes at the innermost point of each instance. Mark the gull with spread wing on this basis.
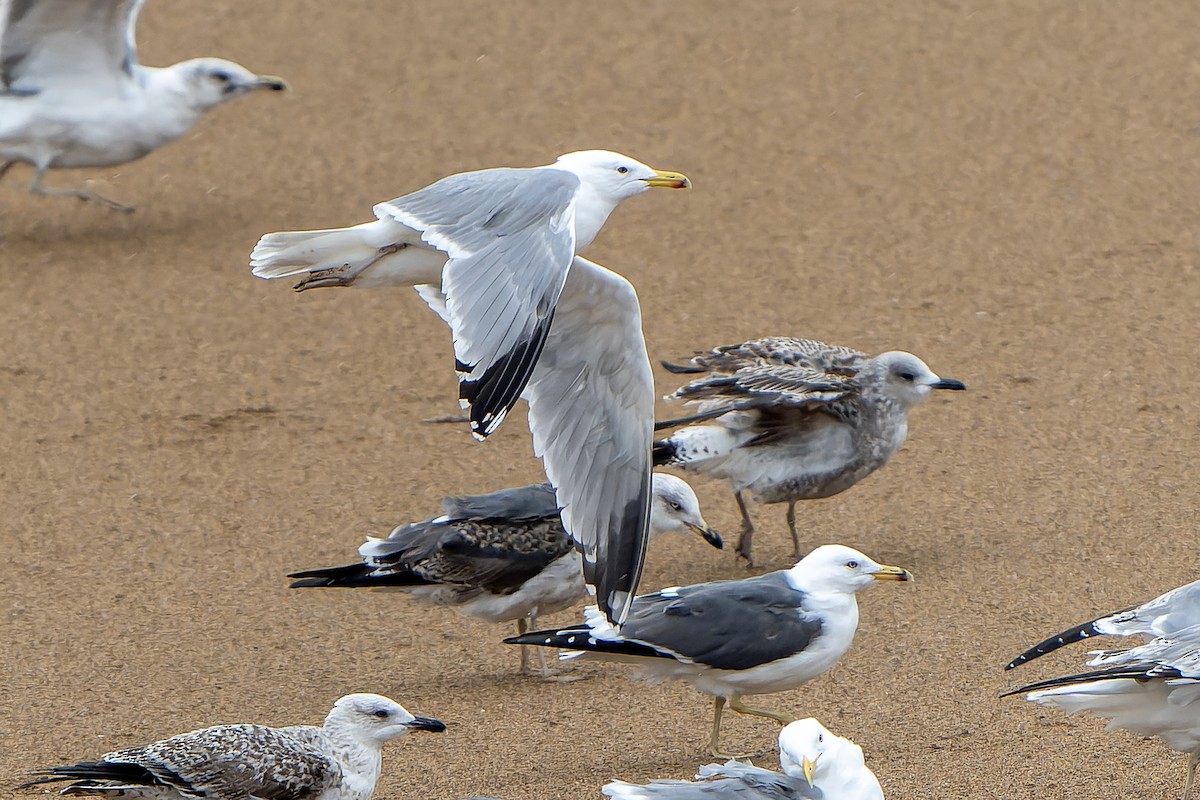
(72, 93)
(494, 253)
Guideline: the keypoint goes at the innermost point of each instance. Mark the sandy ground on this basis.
(1008, 191)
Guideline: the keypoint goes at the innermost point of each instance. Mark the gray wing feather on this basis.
(237, 761)
(493, 541)
(525, 502)
(43, 42)
(591, 412)
(510, 237)
(733, 780)
(725, 624)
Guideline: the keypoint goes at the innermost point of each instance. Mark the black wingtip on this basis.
(1138, 673)
(1069, 636)
(353, 576)
(492, 395)
(681, 369)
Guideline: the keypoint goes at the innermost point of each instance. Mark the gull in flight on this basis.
(72, 93)
(338, 761)
(816, 764)
(793, 419)
(500, 557)
(494, 252)
(759, 635)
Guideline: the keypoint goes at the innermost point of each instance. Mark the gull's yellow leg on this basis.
(783, 718)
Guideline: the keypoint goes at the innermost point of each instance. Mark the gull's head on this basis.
(674, 507)
(837, 568)
(373, 718)
(617, 177)
(808, 750)
(906, 379)
(212, 81)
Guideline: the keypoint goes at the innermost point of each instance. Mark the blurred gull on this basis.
(759, 635)
(816, 764)
(494, 253)
(338, 761)
(793, 419)
(73, 95)
(500, 557)
(1152, 689)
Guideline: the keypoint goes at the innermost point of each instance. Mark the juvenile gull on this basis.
(73, 95)
(494, 253)
(815, 764)
(500, 557)
(758, 635)
(1152, 689)
(793, 419)
(338, 761)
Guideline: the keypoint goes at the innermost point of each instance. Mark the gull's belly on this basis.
(556, 587)
(66, 130)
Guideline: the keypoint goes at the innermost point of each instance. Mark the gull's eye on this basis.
(222, 77)
(622, 170)
(852, 564)
(907, 376)
(820, 738)
(382, 713)
(675, 506)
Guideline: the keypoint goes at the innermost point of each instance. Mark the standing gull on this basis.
(338, 761)
(73, 95)
(494, 252)
(815, 764)
(500, 557)
(759, 635)
(793, 419)
(1152, 689)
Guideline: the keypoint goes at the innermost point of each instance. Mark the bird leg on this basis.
(714, 739)
(782, 717)
(745, 540)
(1191, 778)
(5, 167)
(82, 194)
(791, 521)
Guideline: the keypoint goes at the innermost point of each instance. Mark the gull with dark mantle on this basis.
(494, 252)
(816, 764)
(759, 635)
(72, 93)
(1150, 689)
(793, 419)
(339, 760)
(500, 557)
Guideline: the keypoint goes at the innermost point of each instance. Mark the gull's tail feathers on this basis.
(374, 254)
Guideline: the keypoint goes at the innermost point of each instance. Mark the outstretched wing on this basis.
(58, 42)
(591, 412)
(509, 235)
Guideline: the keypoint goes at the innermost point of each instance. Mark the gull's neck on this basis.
(361, 758)
(591, 212)
(170, 103)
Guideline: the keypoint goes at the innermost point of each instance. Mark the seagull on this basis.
(500, 557)
(494, 253)
(793, 419)
(815, 764)
(1151, 689)
(759, 635)
(72, 93)
(338, 761)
